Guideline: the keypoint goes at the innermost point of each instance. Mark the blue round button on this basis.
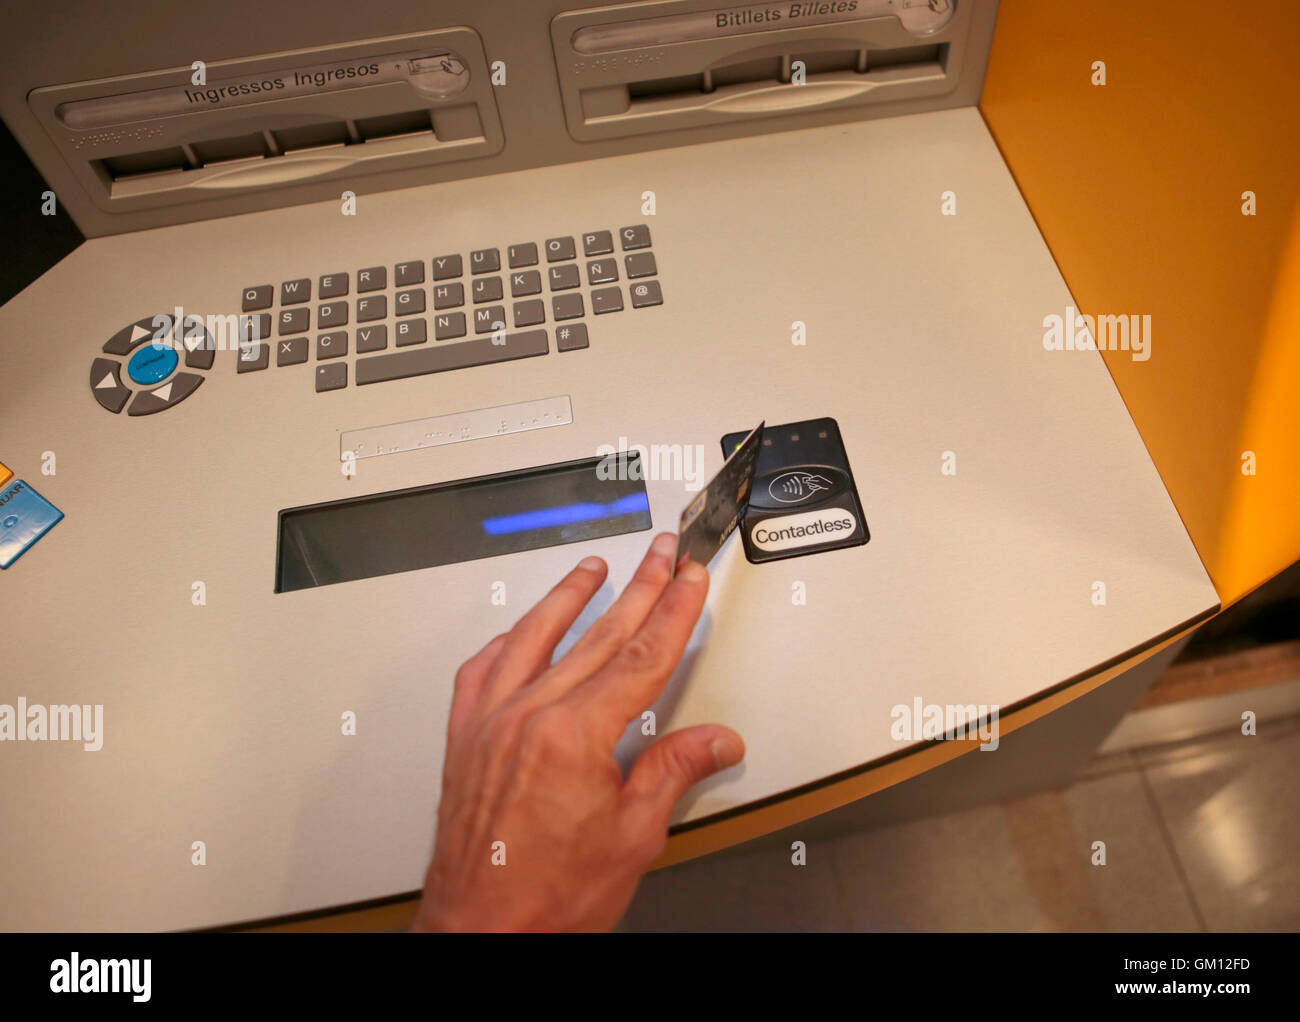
(152, 364)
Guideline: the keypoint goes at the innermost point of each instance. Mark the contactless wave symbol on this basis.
(796, 487)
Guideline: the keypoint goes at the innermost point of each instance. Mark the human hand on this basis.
(530, 758)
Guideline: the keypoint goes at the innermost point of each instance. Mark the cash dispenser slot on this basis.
(171, 137)
(623, 73)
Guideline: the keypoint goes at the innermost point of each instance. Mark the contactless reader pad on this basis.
(803, 500)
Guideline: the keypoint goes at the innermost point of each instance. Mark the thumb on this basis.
(679, 760)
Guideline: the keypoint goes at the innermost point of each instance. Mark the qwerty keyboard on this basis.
(450, 312)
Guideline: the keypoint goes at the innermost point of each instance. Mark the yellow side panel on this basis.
(1137, 186)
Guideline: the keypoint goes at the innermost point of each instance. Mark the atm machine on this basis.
(388, 316)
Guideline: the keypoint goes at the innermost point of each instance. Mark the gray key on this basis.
(529, 282)
(484, 260)
(371, 309)
(334, 314)
(558, 249)
(158, 328)
(255, 327)
(530, 313)
(253, 356)
(106, 384)
(448, 296)
(295, 292)
(642, 264)
(372, 338)
(333, 376)
(333, 285)
(294, 321)
(333, 345)
(523, 255)
(173, 392)
(438, 359)
(646, 293)
(406, 274)
(411, 331)
(567, 306)
(634, 237)
(291, 352)
(489, 318)
(409, 303)
(571, 338)
(448, 326)
(607, 299)
(374, 278)
(259, 297)
(199, 344)
(486, 289)
(564, 277)
(597, 243)
(602, 271)
(446, 267)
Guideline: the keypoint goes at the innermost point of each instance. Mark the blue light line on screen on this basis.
(565, 514)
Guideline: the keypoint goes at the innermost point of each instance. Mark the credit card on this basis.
(714, 513)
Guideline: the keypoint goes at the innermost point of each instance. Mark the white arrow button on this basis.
(163, 393)
(107, 383)
(138, 332)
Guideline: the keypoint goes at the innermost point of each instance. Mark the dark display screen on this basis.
(464, 520)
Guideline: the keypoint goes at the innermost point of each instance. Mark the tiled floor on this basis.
(1199, 835)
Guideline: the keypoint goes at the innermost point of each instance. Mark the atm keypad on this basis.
(582, 276)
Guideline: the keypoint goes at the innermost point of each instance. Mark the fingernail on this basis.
(591, 564)
(693, 572)
(665, 545)
(725, 753)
